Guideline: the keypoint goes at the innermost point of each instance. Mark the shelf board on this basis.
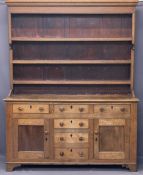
(74, 82)
(70, 39)
(71, 61)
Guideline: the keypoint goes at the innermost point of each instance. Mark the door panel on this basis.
(110, 139)
(30, 155)
(31, 139)
(112, 155)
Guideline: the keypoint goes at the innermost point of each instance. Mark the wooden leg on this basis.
(132, 167)
(10, 166)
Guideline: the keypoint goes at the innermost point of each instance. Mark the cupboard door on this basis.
(111, 139)
(31, 139)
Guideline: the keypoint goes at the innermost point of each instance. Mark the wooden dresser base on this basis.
(71, 132)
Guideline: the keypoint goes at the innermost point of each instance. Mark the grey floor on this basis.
(69, 170)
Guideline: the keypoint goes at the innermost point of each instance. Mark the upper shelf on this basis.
(70, 39)
(71, 61)
(72, 82)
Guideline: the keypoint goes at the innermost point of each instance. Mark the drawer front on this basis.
(60, 109)
(79, 138)
(112, 110)
(30, 108)
(71, 123)
(71, 154)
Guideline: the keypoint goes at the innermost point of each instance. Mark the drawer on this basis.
(71, 123)
(79, 138)
(60, 109)
(112, 110)
(71, 153)
(30, 108)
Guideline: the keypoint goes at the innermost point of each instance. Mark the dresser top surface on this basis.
(70, 98)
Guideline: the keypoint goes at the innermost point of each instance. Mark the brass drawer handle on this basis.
(123, 109)
(81, 138)
(81, 154)
(61, 154)
(62, 109)
(41, 109)
(20, 109)
(81, 109)
(81, 124)
(102, 109)
(61, 138)
(61, 124)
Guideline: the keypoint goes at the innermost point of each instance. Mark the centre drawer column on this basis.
(72, 132)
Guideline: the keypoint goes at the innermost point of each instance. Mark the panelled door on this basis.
(31, 138)
(111, 139)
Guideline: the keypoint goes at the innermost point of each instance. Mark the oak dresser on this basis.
(72, 96)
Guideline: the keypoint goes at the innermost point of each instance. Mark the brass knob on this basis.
(61, 154)
(61, 138)
(123, 109)
(20, 109)
(81, 138)
(96, 133)
(62, 109)
(41, 109)
(46, 132)
(81, 109)
(81, 124)
(81, 154)
(102, 109)
(61, 124)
